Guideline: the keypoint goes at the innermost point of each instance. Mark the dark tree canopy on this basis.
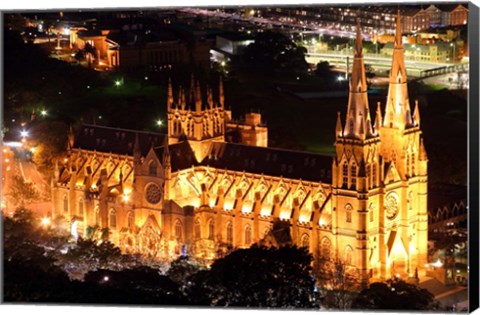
(394, 295)
(257, 277)
(274, 52)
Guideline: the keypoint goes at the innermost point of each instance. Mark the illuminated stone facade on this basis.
(192, 191)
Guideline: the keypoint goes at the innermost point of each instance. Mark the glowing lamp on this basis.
(45, 221)
(24, 133)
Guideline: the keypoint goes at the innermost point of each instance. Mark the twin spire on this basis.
(358, 123)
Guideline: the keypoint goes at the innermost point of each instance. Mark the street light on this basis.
(24, 133)
(43, 112)
(454, 55)
(159, 123)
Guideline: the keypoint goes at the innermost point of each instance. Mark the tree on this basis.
(49, 139)
(394, 295)
(257, 277)
(22, 192)
(323, 69)
(274, 52)
(139, 285)
(89, 255)
(338, 282)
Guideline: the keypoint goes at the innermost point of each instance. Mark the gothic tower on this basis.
(355, 186)
(404, 175)
(198, 121)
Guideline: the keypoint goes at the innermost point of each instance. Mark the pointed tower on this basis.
(403, 202)
(221, 97)
(169, 95)
(353, 169)
(358, 113)
(398, 105)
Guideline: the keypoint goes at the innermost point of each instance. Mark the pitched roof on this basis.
(114, 140)
(270, 161)
(181, 155)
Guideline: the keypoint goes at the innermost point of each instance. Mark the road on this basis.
(18, 166)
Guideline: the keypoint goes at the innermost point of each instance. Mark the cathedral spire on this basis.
(338, 129)
(198, 98)
(378, 118)
(398, 105)
(169, 95)
(209, 98)
(358, 111)
(416, 115)
(182, 100)
(221, 97)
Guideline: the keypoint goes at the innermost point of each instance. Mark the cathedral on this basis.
(212, 184)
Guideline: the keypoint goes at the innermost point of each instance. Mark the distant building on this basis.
(436, 52)
(453, 15)
(138, 47)
(415, 20)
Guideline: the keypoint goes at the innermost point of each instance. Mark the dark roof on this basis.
(270, 161)
(115, 140)
(181, 155)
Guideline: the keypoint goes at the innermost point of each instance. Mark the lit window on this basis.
(229, 233)
(305, 241)
(112, 218)
(248, 235)
(152, 168)
(345, 174)
(197, 229)
(130, 220)
(80, 207)
(210, 229)
(65, 203)
(178, 230)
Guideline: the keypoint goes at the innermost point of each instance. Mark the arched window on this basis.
(152, 168)
(211, 226)
(326, 248)
(410, 200)
(372, 213)
(345, 174)
(248, 235)
(412, 157)
(374, 174)
(130, 219)
(65, 204)
(229, 233)
(197, 229)
(305, 242)
(348, 255)
(353, 175)
(348, 213)
(112, 218)
(178, 230)
(97, 216)
(368, 173)
(80, 207)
